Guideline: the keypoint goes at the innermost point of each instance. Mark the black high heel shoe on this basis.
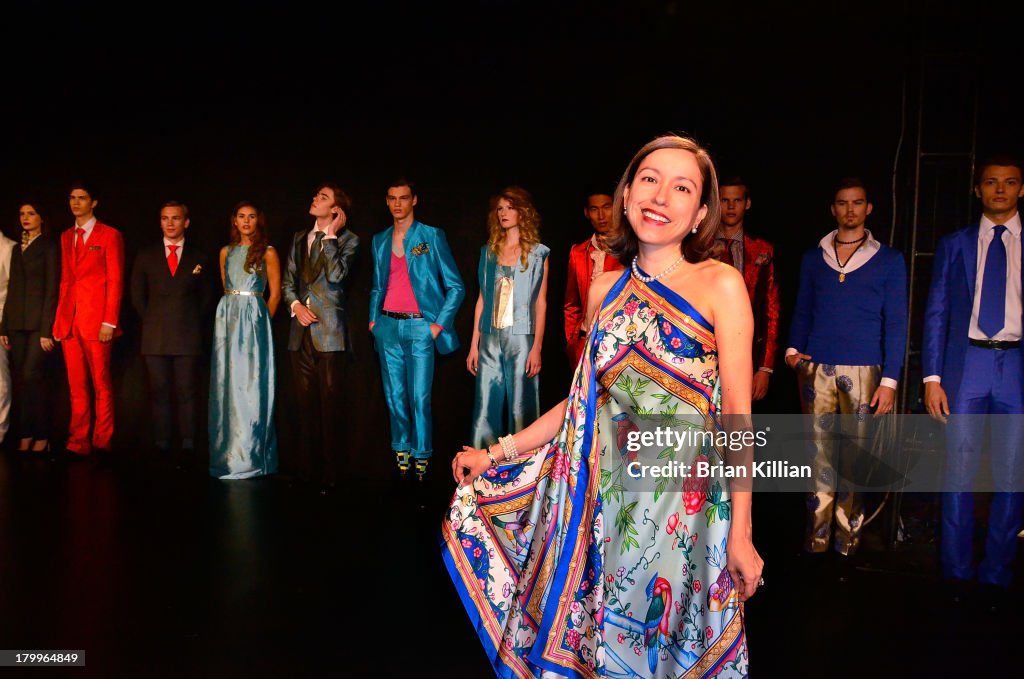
(45, 450)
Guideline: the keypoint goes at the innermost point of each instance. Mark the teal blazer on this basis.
(434, 275)
(525, 290)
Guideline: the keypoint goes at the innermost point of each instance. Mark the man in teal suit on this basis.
(416, 291)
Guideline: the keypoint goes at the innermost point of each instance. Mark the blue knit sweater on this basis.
(861, 321)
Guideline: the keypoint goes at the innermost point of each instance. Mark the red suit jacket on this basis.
(759, 275)
(90, 283)
(581, 270)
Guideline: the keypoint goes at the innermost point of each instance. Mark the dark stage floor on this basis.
(157, 571)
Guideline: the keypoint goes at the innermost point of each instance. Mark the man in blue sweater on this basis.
(846, 344)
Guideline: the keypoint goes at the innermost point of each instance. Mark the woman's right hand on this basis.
(6, 342)
(469, 464)
(793, 359)
(473, 361)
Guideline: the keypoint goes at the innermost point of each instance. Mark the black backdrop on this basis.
(262, 103)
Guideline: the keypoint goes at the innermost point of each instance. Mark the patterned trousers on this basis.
(827, 391)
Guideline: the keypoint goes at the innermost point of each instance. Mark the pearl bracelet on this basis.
(508, 444)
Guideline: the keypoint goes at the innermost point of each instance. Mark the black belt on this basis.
(401, 315)
(999, 345)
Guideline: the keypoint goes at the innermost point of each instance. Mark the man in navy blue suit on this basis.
(973, 370)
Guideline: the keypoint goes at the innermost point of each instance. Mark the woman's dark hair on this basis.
(36, 205)
(696, 247)
(254, 260)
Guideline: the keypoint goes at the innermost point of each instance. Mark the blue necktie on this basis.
(992, 311)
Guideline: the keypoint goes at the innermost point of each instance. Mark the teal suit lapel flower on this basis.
(421, 249)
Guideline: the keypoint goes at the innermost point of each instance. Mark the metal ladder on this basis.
(942, 94)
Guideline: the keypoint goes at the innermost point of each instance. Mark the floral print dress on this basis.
(566, 564)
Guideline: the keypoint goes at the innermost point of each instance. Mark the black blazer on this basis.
(172, 308)
(33, 288)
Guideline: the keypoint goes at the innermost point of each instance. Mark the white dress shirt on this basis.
(167, 250)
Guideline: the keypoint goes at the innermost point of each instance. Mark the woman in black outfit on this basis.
(26, 326)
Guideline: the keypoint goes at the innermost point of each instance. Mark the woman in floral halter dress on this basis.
(566, 564)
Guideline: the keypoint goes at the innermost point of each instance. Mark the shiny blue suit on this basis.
(406, 347)
(977, 382)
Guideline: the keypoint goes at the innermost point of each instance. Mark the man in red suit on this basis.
(92, 257)
(755, 259)
(586, 261)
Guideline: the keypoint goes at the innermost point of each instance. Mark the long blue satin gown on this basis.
(243, 441)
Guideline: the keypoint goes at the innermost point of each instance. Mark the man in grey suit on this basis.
(314, 285)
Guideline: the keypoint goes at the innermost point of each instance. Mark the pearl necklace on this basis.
(647, 279)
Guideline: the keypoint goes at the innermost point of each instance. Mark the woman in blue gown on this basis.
(508, 324)
(243, 442)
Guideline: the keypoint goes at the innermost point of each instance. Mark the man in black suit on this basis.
(170, 290)
(314, 285)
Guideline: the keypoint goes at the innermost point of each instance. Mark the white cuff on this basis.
(791, 351)
(888, 382)
(933, 378)
(292, 307)
(763, 369)
(109, 325)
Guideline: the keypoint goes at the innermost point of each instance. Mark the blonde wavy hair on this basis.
(529, 222)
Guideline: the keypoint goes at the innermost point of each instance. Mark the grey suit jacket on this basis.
(323, 289)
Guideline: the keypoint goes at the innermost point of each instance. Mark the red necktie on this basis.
(727, 251)
(79, 244)
(172, 259)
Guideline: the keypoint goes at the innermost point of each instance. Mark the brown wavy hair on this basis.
(529, 222)
(254, 260)
(696, 247)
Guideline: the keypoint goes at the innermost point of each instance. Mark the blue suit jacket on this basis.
(435, 278)
(947, 317)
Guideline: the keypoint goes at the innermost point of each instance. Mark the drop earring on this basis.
(694, 229)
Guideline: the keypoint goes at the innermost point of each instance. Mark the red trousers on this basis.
(88, 364)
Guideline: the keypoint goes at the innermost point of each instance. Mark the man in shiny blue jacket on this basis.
(416, 291)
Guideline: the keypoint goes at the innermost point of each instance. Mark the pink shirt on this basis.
(399, 296)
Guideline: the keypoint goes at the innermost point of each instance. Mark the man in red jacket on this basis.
(92, 258)
(755, 259)
(586, 261)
